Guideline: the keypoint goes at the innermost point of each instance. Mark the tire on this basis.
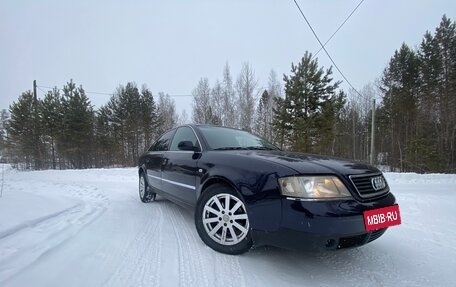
(144, 191)
(225, 230)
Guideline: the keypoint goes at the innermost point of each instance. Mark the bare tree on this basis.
(228, 99)
(166, 110)
(265, 109)
(217, 103)
(202, 111)
(359, 109)
(274, 91)
(245, 87)
(183, 118)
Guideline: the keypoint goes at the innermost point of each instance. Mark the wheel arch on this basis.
(141, 170)
(219, 180)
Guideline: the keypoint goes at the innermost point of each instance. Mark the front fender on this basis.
(259, 191)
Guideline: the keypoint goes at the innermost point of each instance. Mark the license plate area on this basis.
(382, 217)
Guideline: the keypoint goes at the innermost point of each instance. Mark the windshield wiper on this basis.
(229, 148)
(259, 148)
(244, 148)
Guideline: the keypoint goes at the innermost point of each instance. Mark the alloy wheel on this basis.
(225, 219)
(142, 186)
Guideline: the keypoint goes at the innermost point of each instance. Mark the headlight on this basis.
(313, 187)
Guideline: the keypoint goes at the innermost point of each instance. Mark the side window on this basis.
(183, 134)
(162, 143)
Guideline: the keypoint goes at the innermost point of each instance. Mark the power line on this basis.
(98, 93)
(87, 92)
(108, 94)
(340, 26)
(324, 49)
(44, 93)
(45, 87)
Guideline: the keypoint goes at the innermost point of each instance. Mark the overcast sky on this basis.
(169, 45)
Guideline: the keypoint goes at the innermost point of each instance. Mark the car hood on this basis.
(310, 164)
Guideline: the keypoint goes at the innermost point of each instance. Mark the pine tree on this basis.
(21, 129)
(417, 115)
(76, 139)
(281, 123)
(326, 123)
(400, 88)
(127, 107)
(265, 109)
(108, 151)
(261, 123)
(52, 115)
(308, 90)
(445, 35)
(149, 117)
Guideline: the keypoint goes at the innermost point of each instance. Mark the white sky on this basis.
(169, 45)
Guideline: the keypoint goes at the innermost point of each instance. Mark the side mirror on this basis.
(186, 146)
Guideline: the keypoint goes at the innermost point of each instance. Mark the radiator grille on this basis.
(364, 185)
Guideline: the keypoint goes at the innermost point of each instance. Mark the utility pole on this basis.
(354, 132)
(372, 133)
(35, 133)
(34, 92)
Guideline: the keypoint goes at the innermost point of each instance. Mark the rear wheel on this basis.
(144, 190)
(221, 220)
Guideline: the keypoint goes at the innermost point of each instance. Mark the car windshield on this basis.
(219, 138)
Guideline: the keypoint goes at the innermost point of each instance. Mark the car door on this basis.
(153, 161)
(180, 166)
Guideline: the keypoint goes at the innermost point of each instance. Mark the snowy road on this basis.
(88, 228)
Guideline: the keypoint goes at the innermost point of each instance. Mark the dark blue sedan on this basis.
(246, 192)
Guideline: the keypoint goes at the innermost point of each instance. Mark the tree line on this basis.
(418, 115)
(415, 116)
(63, 130)
(307, 112)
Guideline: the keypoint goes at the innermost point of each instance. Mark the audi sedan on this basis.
(246, 192)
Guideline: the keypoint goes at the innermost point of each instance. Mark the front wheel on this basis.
(221, 220)
(144, 191)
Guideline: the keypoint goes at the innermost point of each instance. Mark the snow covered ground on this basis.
(88, 228)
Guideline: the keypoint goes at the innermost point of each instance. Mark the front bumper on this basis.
(314, 225)
(295, 240)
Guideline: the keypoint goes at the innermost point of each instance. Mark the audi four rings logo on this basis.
(378, 183)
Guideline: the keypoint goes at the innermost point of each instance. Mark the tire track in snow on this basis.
(225, 267)
(192, 270)
(23, 248)
(32, 223)
(193, 243)
(149, 260)
(185, 274)
(158, 248)
(141, 254)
